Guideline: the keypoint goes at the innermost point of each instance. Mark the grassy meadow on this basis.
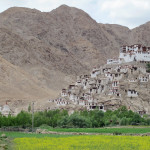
(14, 135)
(122, 130)
(33, 141)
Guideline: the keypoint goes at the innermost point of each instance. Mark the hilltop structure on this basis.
(112, 85)
(135, 52)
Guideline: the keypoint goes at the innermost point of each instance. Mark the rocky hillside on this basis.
(54, 47)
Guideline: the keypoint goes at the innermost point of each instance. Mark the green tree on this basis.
(136, 118)
(124, 121)
(78, 121)
(97, 118)
(114, 120)
(63, 122)
(148, 68)
(23, 119)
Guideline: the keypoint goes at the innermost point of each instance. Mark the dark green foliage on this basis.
(124, 121)
(136, 118)
(78, 121)
(81, 119)
(148, 68)
(29, 108)
(97, 118)
(114, 120)
(75, 120)
(50, 118)
(64, 122)
(148, 121)
(117, 133)
(23, 119)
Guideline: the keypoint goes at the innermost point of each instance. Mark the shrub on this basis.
(124, 121)
(79, 121)
(117, 133)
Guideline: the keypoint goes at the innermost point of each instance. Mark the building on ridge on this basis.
(135, 52)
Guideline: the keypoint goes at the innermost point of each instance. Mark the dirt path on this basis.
(43, 131)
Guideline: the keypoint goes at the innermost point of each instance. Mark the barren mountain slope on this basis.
(124, 36)
(69, 30)
(16, 83)
(56, 46)
(46, 63)
(119, 34)
(141, 34)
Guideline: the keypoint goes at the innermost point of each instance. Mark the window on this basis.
(101, 107)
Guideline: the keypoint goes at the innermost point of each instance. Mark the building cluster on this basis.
(135, 52)
(108, 86)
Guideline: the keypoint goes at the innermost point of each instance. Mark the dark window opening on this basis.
(101, 107)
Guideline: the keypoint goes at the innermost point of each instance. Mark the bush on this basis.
(124, 121)
(136, 118)
(148, 121)
(45, 126)
(74, 121)
(24, 119)
(97, 118)
(114, 120)
(63, 123)
(79, 121)
(117, 133)
(148, 68)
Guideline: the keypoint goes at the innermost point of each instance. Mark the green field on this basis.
(13, 135)
(32, 141)
(134, 130)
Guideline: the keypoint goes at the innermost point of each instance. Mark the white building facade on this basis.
(135, 52)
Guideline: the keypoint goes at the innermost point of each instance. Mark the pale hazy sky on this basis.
(130, 13)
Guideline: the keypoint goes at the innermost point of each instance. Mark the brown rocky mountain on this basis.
(54, 47)
(20, 87)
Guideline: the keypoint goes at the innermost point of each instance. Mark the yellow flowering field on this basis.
(85, 142)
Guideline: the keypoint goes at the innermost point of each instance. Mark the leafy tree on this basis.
(148, 121)
(79, 121)
(148, 68)
(39, 119)
(97, 118)
(82, 119)
(23, 118)
(114, 120)
(136, 118)
(84, 113)
(124, 121)
(64, 122)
